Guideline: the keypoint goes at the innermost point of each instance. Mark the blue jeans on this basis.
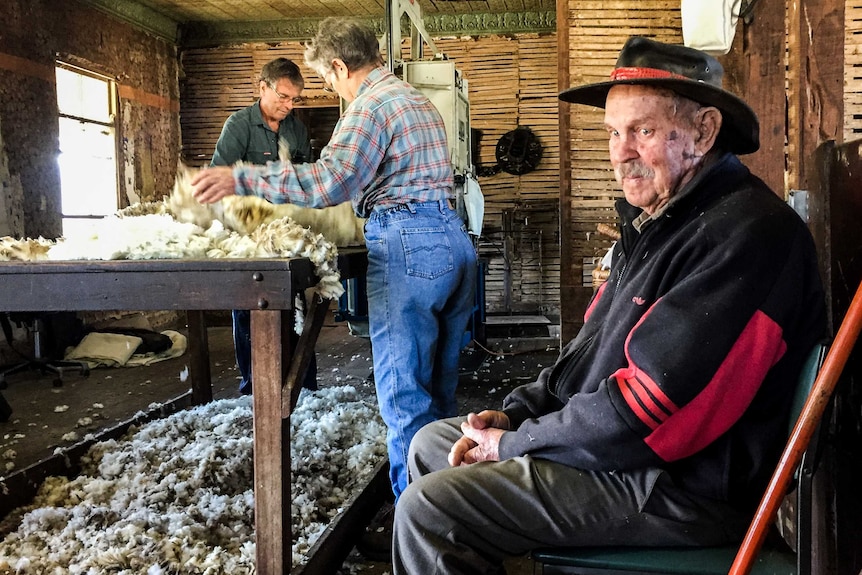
(242, 348)
(421, 289)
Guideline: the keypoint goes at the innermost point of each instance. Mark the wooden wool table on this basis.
(266, 287)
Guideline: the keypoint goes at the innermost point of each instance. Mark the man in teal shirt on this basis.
(252, 135)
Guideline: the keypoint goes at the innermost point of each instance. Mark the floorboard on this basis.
(45, 417)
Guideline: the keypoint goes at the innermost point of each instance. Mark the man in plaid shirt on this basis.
(389, 156)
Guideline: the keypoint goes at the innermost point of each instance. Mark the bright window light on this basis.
(88, 148)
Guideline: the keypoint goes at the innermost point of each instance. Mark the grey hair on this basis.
(686, 109)
(350, 41)
(275, 70)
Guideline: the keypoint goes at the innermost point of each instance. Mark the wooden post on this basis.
(755, 71)
(199, 358)
(834, 208)
(816, 84)
(569, 279)
(269, 357)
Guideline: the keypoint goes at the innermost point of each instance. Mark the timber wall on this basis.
(512, 82)
(33, 36)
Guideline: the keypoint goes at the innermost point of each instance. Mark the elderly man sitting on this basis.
(662, 420)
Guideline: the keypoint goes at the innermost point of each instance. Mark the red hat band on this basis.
(632, 73)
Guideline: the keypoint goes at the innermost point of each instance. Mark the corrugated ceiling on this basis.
(213, 22)
(184, 11)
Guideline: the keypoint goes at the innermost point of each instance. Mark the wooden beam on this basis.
(815, 82)
(567, 281)
(755, 70)
(314, 320)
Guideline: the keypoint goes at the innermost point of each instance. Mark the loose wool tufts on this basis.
(184, 207)
(159, 236)
(180, 227)
(147, 237)
(244, 214)
(176, 495)
(29, 250)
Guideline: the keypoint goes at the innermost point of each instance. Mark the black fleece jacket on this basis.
(690, 351)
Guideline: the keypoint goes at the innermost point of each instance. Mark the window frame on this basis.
(113, 103)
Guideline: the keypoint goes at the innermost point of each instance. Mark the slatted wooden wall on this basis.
(512, 82)
(852, 70)
(597, 31)
(217, 82)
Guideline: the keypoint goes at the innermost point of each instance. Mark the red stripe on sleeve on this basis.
(644, 397)
(641, 393)
(595, 300)
(725, 398)
(630, 396)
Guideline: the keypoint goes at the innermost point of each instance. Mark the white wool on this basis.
(159, 236)
(70, 436)
(338, 223)
(185, 207)
(12, 249)
(284, 238)
(299, 314)
(175, 495)
(244, 214)
(150, 231)
(142, 209)
(151, 236)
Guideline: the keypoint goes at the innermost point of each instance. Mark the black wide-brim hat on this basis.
(688, 72)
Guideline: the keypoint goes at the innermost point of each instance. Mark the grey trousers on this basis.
(468, 519)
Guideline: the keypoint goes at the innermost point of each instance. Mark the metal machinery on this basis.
(444, 85)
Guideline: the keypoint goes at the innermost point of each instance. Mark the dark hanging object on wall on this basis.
(519, 151)
(475, 141)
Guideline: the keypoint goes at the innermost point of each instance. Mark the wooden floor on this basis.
(45, 417)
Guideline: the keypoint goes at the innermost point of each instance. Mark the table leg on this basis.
(199, 358)
(314, 319)
(270, 356)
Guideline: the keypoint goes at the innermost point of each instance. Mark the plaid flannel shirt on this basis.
(388, 148)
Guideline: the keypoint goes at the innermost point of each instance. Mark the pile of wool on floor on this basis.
(175, 495)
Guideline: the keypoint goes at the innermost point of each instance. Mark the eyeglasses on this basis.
(327, 85)
(282, 97)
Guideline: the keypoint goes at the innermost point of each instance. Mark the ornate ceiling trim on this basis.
(209, 34)
(138, 16)
(482, 24)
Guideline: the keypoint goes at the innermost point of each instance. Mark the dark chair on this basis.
(39, 361)
(814, 392)
(776, 557)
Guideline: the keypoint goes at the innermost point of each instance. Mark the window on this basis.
(88, 147)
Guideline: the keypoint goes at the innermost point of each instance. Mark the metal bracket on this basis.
(394, 10)
(798, 200)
